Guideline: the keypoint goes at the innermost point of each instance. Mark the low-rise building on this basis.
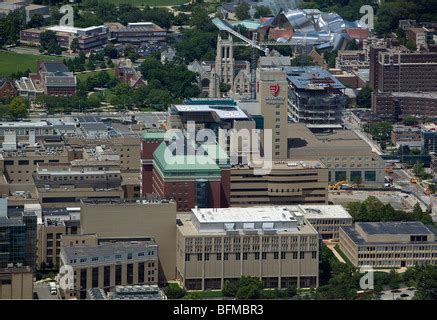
(394, 106)
(389, 244)
(107, 265)
(126, 73)
(33, 9)
(407, 136)
(271, 243)
(139, 32)
(352, 60)
(7, 88)
(16, 283)
(327, 219)
(343, 152)
(429, 136)
(289, 182)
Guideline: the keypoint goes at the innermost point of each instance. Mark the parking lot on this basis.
(151, 119)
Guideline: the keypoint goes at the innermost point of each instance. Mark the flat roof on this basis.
(312, 78)
(323, 211)
(243, 214)
(396, 228)
(106, 248)
(222, 111)
(25, 124)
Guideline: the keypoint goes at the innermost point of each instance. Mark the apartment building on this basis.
(389, 244)
(346, 155)
(394, 106)
(352, 60)
(141, 218)
(271, 243)
(108, 264)
(400, 70)
(288, 182)
(16, 283)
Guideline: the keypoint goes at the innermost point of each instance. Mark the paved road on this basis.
(42, 291)
(402, 178)
(403, 294)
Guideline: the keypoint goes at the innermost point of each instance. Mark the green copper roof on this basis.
(185, 165)
(154, 135)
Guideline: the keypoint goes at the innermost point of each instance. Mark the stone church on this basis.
(225, 69)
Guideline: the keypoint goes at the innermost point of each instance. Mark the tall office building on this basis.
(273, 99)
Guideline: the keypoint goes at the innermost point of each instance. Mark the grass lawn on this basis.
(11, 62)
(84, 76)
(150, 2)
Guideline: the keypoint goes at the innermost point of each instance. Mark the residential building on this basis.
(289, 182)
(407, 136)
(315, 97)
(389, 244)
(54, 79)
(16, 283)
(400, 70)
(128, 218)
(271, 243)
(126, 73)
(7, 88)
(107, 265)
(394, 106)
(429, 136)
(419, 36)
(343, 152)
(352, 60)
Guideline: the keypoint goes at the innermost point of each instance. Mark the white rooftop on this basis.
(250, 214)
(223, 112)
(322, 211)
(72, 30)
(24, 124)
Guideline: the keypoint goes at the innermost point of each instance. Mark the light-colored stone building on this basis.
(389, 244)
(217, 245)
(16, 283)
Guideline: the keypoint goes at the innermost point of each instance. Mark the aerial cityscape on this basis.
(218, 150)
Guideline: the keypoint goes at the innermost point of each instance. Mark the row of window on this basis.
(117, 257)
(246, 255)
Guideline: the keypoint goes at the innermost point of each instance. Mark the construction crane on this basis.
(222, 25)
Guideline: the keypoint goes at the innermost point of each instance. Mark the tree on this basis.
(224, 87)
(18, 108)
(74, 46)
(230, 288)
(426, 279)
(37, 21)
(249, 288)
(410, 120)
(291, 291)
(411, 45)
(242, 11)
(49, 42)
(262, 11)
(110, 51)
(90, 65)
(173, 291)
(364, 97)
